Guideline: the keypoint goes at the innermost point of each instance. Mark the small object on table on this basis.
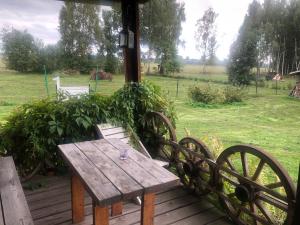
(97, 168)
(123, 153)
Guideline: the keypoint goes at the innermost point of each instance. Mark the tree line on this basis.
(268, 38)
(89, 40)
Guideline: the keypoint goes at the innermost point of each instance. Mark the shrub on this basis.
(290, 86)
(33, 131)
(233, 94)
(204, 94)
(211, 95)
(261, 83)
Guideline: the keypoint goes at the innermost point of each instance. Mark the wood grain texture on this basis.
(100, 215)
(138, 173)
(147, 215)
(117, 209)
(14, 205)
(171, 207)
(77, 199)
(1, 214)
(165, 178)
(95, 182)
(127, 186)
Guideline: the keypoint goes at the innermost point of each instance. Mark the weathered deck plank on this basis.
(51, 205)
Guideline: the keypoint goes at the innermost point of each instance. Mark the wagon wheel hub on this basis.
(243, 193)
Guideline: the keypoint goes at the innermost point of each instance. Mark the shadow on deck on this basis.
(51, 205)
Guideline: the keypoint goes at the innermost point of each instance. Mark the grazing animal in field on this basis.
(75, 91)
(101, 75)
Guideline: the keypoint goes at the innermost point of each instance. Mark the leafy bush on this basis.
(233, 94)
(209, 94)
(290, 86)
(205, 94)
(33, 131)
(261, 83)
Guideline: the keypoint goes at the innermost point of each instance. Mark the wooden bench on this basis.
(13, 206)
(107, 130)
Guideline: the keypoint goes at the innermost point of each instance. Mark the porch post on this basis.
(296, 219)
(130, 20)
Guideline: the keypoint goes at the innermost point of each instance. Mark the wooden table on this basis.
(97, 168)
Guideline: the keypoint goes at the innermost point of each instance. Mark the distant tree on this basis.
(205, 36)
(244, 51)
(20, 50)
(50, 56)
(80, 31)
(161, 29)
(111, 23)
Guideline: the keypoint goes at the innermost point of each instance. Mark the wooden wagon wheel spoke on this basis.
(245, 164)
(263, 210)
(253, 209)
(267, 189)
(258, 170)
(160, 134)
(229, 163)
(273, 201)
(196, 152)
(274, 185)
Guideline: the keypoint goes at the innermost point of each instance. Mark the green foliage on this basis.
(161, 29)
(20, 50)
(233, 94)
(109, 48)
(205, 36)
(244, 51)
(33, 131)
(50, 56)
(205, 94)
(80, 32)
(135, 100)
(209, 94)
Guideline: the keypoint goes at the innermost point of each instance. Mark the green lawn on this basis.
(267, 120)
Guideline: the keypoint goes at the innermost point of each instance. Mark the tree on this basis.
(205, 36)
(20, 50)
(244, 51)
(80, 31)
(161, 29)
(50, 57)
(111, 26)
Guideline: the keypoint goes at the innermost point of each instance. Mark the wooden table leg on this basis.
(148, 209)
(100, 215)
(77, 190)
(117, 209)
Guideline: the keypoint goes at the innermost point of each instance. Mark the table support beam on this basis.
(77, 190)
(117, 209)
(100, 215)
(148, 209)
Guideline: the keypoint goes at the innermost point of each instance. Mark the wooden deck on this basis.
(51, 205)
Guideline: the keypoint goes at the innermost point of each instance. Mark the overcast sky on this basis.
(40, 18)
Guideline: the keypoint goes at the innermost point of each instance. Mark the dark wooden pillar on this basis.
(130, 20)
(296, 220)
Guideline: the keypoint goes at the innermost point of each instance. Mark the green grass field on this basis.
(267, 120)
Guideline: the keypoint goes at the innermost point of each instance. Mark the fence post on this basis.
(177, 88)
(296, 219)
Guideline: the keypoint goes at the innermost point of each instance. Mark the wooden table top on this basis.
(107, 178)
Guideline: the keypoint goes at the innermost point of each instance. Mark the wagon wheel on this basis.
(253, 187)
(191, 165)
(160, 134)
